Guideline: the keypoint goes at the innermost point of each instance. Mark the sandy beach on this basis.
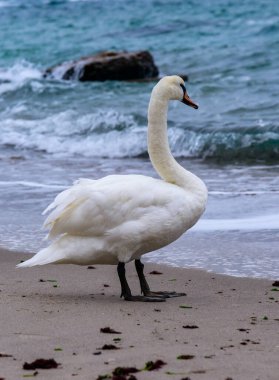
(224, 328)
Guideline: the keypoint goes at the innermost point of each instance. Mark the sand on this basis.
(224, 328)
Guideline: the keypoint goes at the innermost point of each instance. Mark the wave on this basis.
(17, 76)
(100, 134)
(228, 144)
(111, 134)
(33, 121)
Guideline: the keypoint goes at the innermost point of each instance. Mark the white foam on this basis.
(241, 193)
(17, 75)
(257, 223)
(104, 133)
(31, 184)
(5, 4)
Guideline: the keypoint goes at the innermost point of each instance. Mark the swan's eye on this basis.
(183, 88)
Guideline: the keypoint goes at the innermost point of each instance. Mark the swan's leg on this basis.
(126, 291)
(145, 287)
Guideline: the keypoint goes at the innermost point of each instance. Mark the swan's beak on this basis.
(189, 102)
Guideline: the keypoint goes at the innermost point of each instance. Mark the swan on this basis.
(119, 218)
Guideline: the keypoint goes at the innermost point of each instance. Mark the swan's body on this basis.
(119, 218)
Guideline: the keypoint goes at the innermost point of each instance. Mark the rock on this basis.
(107, 66)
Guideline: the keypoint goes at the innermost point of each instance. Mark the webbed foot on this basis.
(148, 298)
(164, 294)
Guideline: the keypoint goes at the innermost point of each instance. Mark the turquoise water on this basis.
(229, 50)
(54, 131)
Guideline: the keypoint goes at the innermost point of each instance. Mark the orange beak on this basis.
(189, 102)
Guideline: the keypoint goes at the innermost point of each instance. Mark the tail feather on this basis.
(44, 256)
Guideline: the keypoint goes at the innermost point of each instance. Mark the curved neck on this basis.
(159, 150)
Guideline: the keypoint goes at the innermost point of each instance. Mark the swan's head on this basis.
(173, 88)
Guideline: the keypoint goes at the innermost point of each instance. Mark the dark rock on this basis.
(107, 66)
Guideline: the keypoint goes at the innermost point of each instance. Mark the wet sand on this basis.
(224, 328)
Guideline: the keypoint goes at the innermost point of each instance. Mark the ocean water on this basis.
(54, 131)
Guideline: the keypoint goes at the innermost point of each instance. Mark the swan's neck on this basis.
(159, 150)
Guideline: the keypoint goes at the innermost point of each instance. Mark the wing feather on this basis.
(94, 208)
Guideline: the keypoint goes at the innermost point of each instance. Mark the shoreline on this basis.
(248, 254)
(58, 311)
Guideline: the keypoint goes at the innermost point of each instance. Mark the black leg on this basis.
(125, 289)
(145, 287)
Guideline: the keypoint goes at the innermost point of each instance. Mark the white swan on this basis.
(119, 218)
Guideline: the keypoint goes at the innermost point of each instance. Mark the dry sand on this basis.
(58, 311)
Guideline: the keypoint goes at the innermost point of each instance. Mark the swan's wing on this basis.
(93, 208)
(67, 196)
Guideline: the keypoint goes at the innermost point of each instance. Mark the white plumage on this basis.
(119, 218)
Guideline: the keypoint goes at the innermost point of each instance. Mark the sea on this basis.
(54, 131)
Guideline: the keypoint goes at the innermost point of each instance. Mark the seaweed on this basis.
(190, 327)
(108, 330)
(5, 355)
(109, 347)
(185, 357)
(154, 366)
(41, 363)
(120, 371)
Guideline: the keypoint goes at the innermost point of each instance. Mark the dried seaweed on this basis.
(185, 357)
(41, 363)
(31, 374)
(103, 377)
(5, 355)
(123, 371)
(108, 330)
(154, 366)
(109, 347)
